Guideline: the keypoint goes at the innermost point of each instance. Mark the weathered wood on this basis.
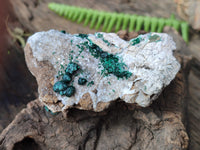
(193, 105)
(16, 90)
(193, 102)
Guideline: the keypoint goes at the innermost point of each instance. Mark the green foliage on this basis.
(120, 20)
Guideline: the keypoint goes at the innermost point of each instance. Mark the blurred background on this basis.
(21, 18)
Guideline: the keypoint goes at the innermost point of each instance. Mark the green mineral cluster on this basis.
(136, 41)
(111, 65)
(72, 68)
(62, 87)
(82, 81)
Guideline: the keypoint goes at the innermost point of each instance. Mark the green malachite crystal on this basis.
(135, 41)
(59, 86)
(95, 50)
(62, 87)
(72, 68)
(63, 31)
(83, 35)
(67, 78)
(111, 65)
(110, 62)
(82, 81)
(104, 55)
(69, 91)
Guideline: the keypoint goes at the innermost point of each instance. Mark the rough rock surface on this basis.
(145, 65)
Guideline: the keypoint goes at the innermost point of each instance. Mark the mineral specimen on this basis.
(82, 81)
(134, 71)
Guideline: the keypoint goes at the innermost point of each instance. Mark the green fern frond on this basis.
(107, 20)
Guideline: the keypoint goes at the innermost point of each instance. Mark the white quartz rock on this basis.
(148, 57)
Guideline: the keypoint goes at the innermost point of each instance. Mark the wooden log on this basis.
(16, 90)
